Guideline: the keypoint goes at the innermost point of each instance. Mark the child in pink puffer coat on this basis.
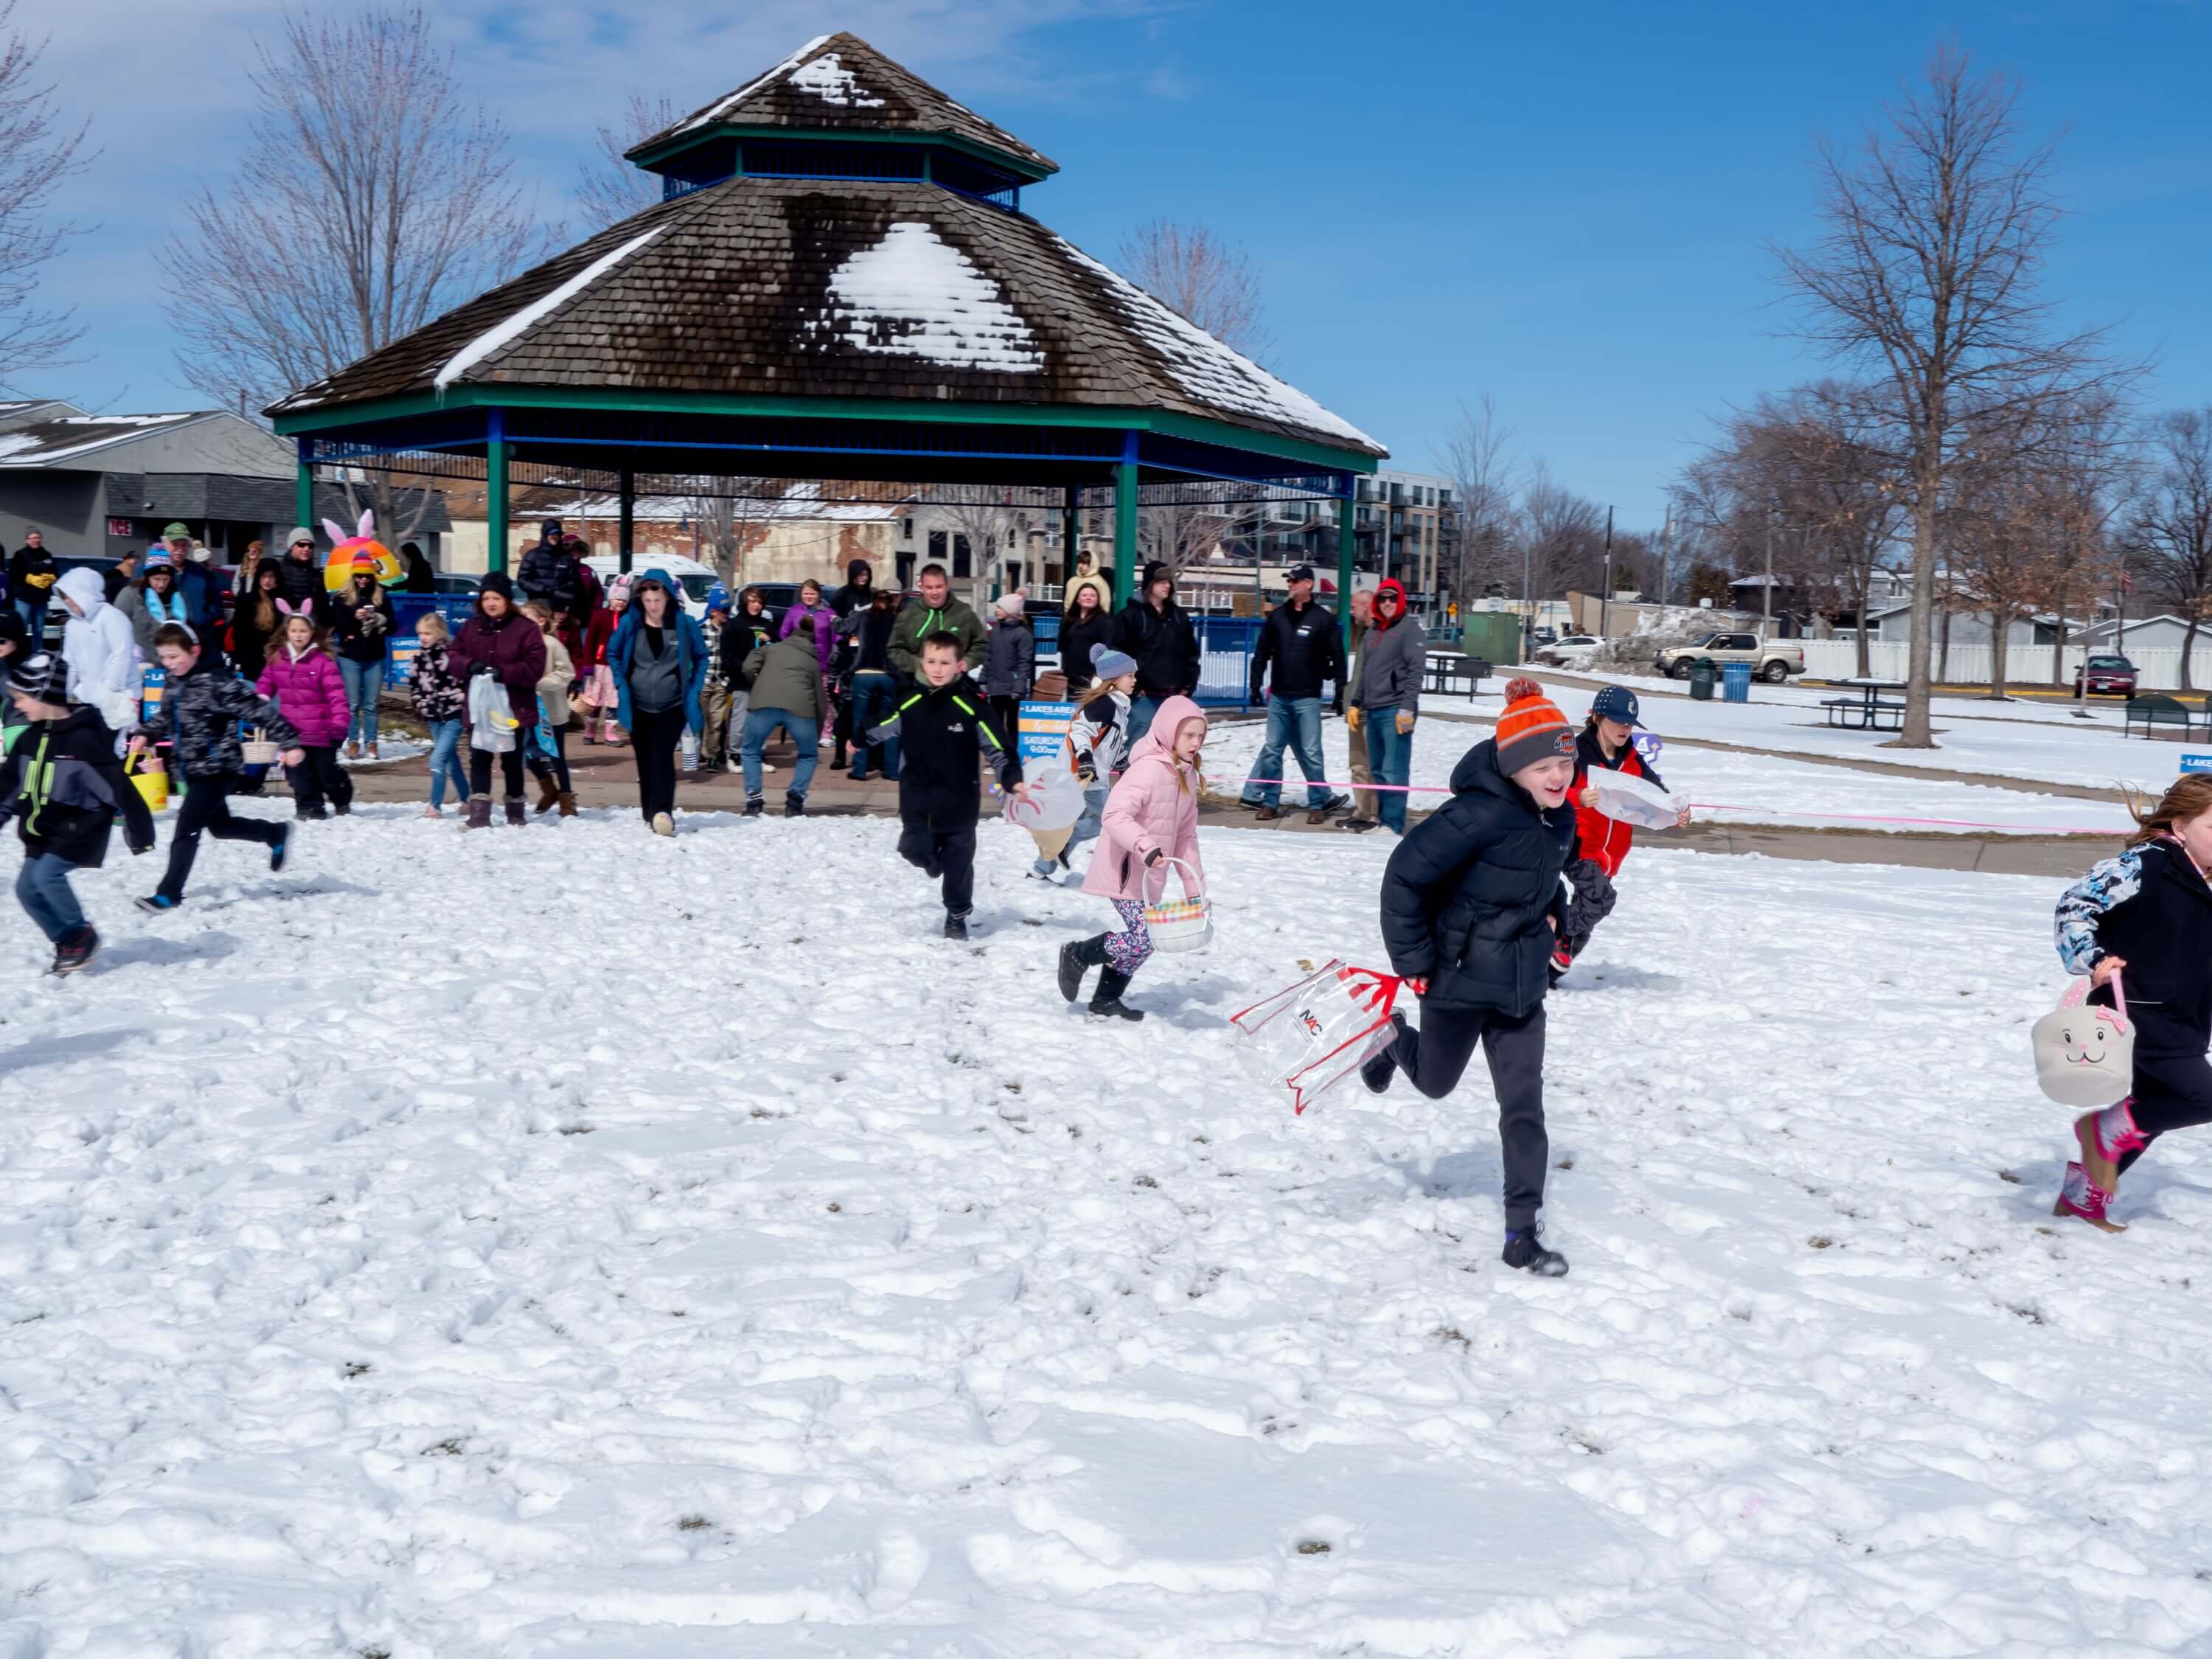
(1152, 817)
(303, 677)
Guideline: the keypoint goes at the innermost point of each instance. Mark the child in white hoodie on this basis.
(98, 646)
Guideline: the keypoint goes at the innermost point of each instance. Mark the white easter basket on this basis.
(1183, 924)
(2085, 1056)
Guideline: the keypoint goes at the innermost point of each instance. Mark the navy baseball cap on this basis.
(1617, 702)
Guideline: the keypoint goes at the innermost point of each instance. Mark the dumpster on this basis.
(1701, 679)
(1735, 682)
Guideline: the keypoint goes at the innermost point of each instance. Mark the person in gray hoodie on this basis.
(1385, 697)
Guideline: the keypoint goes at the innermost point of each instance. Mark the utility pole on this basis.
(1766, 593)
(1667, 557)
(1605, 596)
(1527, 603)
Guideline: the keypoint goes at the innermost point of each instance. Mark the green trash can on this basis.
(1702, 676)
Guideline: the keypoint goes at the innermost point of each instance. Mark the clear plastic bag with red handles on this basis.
(1308, 1037)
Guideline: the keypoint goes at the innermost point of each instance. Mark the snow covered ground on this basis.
(2035, 741)
(1729, 788)
(559, 1241)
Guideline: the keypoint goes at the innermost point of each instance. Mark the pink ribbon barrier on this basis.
(1725, 806)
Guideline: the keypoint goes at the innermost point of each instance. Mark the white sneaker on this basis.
(663, 824)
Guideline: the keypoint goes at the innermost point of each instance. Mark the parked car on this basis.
(696, 580)
(1772, 660)
(1546, 636)
(1574, 651)
(2108, 676)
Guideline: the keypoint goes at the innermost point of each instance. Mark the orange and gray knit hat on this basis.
(1531, 729)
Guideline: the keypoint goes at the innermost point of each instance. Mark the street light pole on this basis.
(1605, 597)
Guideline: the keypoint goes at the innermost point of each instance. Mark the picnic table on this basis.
(1449, 671)
(1866, 710)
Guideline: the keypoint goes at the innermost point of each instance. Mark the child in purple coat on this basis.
(304, 680)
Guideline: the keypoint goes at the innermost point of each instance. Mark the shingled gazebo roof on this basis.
(838, 283)
(839, 82)
(864, 288)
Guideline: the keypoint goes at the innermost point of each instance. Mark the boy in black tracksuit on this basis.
(63, 784)
(942, 725)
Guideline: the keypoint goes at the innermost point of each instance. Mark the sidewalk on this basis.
(607, 777)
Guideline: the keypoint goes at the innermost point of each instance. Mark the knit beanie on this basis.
(1012, 604)
(1110, 664)
(497, 581)
(1531, 729)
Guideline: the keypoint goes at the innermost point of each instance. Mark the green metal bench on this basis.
(2153, 711)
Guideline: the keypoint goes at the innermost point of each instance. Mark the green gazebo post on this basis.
(495, 488)
(1344, 560)
(1120, 581)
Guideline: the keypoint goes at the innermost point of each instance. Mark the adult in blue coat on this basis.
(659, 660)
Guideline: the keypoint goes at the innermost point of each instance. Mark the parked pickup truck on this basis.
(1773, 660)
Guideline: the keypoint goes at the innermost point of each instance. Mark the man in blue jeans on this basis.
(1385, 699)
(1301, 642)
(875, 688)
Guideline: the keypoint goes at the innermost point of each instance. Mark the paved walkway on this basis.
(606, 777)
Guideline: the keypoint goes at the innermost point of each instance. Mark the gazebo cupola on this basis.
(837, 108)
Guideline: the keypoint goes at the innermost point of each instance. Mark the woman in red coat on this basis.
(1607, 743)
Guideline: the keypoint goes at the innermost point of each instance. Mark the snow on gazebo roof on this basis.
(839, 82)
(883, 288)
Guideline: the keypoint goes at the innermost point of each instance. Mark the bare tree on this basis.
(1481, 469)
(1926, 273)
(373, 194)
(1210, 282)
(36, 154)
(609, 189)
(1563, 535)
(2169, 523)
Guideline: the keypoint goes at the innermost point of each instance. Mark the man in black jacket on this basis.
(1157, 632)
(1301, 642)
(942, 725)
(1471, 901)
(31, 575)
(548, 573)
(859, 588)
(300, 577)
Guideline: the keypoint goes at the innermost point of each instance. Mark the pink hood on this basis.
(1154, 805)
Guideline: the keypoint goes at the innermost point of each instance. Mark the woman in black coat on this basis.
(1471, 901)
(1085, 623)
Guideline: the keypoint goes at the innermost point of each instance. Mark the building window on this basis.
(963, 559)
(937, 547)
(905, 528)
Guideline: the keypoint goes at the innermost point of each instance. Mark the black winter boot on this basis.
(1106, 1002)
(514, 811)
(755, 806)
(956, 925)
(1377, 1070)
(795, 805)
(1524, 1248)
(479, 813)
(1077, 958)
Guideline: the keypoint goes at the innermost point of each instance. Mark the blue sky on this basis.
(1566, 206)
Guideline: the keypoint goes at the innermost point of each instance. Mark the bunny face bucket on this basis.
(2085, 1056)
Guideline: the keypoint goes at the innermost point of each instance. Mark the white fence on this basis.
(2158, 667)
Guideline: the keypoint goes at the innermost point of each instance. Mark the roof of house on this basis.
(841, 83)
(802, 504)
(73, 437)
(886, 289)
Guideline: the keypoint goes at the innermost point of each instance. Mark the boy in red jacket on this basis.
(1607, 743)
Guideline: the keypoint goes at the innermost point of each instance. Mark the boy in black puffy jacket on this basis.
(1472, 902)
(63, 784)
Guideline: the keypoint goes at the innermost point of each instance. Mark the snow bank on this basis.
(558, 1241)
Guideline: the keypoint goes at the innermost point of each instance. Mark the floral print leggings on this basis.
(1129, 949)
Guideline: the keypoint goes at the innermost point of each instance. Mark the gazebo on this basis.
(839, 282)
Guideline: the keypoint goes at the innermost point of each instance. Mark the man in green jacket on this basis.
(935, 612)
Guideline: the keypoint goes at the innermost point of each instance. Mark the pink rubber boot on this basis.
(2078, 1198)
(2107, 1137)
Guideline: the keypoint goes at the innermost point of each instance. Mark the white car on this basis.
(696, 580)
(1574, 651)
